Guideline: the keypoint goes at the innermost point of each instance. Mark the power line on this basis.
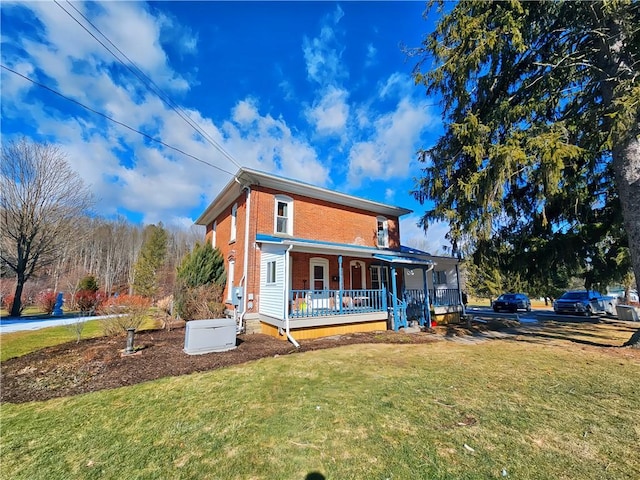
(115, 121)
(148, 82)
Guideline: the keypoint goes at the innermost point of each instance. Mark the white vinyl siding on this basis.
(272, 294)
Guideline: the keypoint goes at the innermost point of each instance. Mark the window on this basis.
(213, 234)
(383, 232)
(230, 275)
(319, 273)
(379, 277)
(439, 277)
(234, 221)
(283, 222)
(271, 272)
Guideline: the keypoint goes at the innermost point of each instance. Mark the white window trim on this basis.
(289, 202)
(323, 262)
(383, 274)
(234, 222)
(272, 272)
(385, 232)
(214, 230)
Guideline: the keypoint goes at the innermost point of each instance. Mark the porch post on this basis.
(460, 292)
(426, 307)
(340, 283)
(394, 296)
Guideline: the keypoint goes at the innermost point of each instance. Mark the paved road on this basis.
(8, 325)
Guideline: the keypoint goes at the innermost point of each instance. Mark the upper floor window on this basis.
(383, 232)
(283, 222)
(214, 230)
(234, 222)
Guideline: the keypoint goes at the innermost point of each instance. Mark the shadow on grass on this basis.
(592, 331)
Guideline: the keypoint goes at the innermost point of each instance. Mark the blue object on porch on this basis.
(57, 308)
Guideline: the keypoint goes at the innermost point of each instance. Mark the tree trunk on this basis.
(16, 308)
(626, 166)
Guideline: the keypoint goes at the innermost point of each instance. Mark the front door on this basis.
(319, 273)
(356, 276)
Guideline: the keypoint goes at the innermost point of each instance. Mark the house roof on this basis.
(246, 177)
(404, 256)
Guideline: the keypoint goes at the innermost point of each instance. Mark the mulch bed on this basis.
(98, 363)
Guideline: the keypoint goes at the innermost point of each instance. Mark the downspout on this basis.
(245, 267)
(286, 298)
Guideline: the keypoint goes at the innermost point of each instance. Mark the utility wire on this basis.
(148, 82)
(115, 121)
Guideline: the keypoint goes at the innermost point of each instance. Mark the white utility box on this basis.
(206, 336)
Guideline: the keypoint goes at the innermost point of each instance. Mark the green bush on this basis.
(200, 284)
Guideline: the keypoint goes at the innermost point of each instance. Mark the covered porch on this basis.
(333, 288)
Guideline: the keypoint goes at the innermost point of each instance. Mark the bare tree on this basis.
(41, 200)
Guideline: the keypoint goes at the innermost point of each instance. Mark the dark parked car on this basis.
(512, 302)
(584, 302)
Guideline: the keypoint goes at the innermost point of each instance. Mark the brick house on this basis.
(304, 262)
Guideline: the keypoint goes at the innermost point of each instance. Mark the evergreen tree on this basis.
(152, 256)
(541, 147)
(202, 266)
(200, 283)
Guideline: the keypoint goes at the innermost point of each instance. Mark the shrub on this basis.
(200, 302)
(200, 283)
(166, 304)
(7, 302)
(88, 302)
(128, 311)
(88, 283)
(46, 300)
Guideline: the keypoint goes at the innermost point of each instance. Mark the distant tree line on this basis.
(51, 241)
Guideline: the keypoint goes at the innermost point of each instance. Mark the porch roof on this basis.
(405, 256)
(403, 260)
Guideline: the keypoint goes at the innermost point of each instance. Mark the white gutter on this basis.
(286, 297)
(245, 268)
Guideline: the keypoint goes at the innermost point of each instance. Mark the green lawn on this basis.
(15, 344)
(431, 411)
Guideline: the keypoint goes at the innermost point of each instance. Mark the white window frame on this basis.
(288, 201)
(439, 275)
(318, 262)
(234, 222)
(385, 232)
(214, 230)
(383, 276)
(231, 270)
(272, 272)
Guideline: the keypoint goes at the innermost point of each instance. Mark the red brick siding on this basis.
(324, 221)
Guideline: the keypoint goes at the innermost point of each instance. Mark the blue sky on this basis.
(315, 91)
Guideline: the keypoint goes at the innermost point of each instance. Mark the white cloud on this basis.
(331, 113)
(433, 242)
(389, 194)
(371, 55)
(245, 112)
(323, 54)
(393, 144)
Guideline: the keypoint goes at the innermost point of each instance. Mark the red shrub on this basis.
(46, 300)
(88, 301)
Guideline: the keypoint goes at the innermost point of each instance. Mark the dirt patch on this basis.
(99, 364)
